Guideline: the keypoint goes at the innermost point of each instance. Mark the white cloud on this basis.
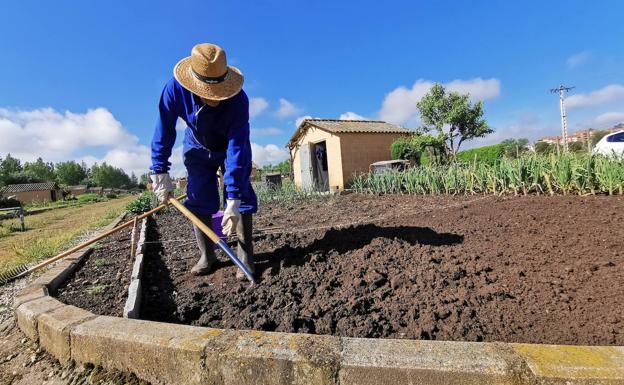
(301, 119)
(577, 59)
(55, 137)
(526, 125)
(287, 109)
(351, 116)
(609, 119)
(607, 94)
(269, 154)
(138, 160)
(399, 105)
(257, 106)
(271, 131)
(479, 89)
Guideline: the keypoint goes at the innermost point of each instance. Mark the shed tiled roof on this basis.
(23, 187)
(344, 126)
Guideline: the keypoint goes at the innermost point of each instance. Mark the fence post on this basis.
(21, 214)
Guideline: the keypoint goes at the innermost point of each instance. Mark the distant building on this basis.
(32, 192)
(580, 136)
(77, 190)
(326, 153)
(94, 190)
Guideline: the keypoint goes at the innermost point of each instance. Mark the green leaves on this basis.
(453, 116)
(563, 174)
(140, 205)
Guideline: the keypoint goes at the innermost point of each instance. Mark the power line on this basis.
(561, 90)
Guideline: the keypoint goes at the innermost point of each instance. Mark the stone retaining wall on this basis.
(178, 354)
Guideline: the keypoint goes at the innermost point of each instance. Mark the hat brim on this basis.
(229, 87)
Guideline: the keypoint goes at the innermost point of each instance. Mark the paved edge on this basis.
(179, 354)
(132, 307)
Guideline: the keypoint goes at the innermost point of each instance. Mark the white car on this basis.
(612, 144)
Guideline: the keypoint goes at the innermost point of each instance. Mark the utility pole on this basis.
(564, 127)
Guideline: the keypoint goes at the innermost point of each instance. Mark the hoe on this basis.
(24, 270)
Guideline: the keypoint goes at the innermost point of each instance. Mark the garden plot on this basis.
(101, 283)
(531, 269)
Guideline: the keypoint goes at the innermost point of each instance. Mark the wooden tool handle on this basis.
(101, 236)
(196, 221)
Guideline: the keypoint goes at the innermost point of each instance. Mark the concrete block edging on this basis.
(180, 354)
(133, 302)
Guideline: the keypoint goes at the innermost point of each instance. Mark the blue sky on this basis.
(81, 80)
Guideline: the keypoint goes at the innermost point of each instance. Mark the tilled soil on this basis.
(532, 269)
(101, 284)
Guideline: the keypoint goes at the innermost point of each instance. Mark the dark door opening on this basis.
(320, 166)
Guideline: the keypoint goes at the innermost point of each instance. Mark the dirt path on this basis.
(519, 269)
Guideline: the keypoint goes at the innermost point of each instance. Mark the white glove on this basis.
(162, 186)
(231, 216)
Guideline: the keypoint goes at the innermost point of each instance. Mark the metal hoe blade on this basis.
(237, 261)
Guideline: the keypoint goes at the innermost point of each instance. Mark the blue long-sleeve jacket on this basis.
(222, 130)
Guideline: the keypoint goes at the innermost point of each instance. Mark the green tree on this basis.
(545, 148)
(284, 167)
(453, 117)
(144, 180)
(577, 147)
(597, 135)
(21, 177)
(10, 165)
(512, 148)
(11, 171)
(40, 170)
(108, 176)
(134, 181)
(415, 146)
(71, 173)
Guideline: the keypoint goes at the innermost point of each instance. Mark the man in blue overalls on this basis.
(207, 94)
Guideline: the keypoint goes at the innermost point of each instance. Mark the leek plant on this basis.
(528, 174)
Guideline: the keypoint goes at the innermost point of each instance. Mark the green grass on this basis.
(96, 289)
(9, 228)
(53, 231)
(529, 174)
(80, 200)
(102, 262)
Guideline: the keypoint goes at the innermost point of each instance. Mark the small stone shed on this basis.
(326, 153)
(77, 190)
(32, 192)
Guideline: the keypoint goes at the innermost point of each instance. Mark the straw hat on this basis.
(206, 73)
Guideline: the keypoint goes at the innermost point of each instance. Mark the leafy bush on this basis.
(142, 204)
(486, 154)
(85, 198)
(9, 202)
(404, 148)
(111, 196)
(513, 148)
(418, 146)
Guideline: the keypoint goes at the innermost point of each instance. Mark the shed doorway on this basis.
(314, 166)
(321, 175)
